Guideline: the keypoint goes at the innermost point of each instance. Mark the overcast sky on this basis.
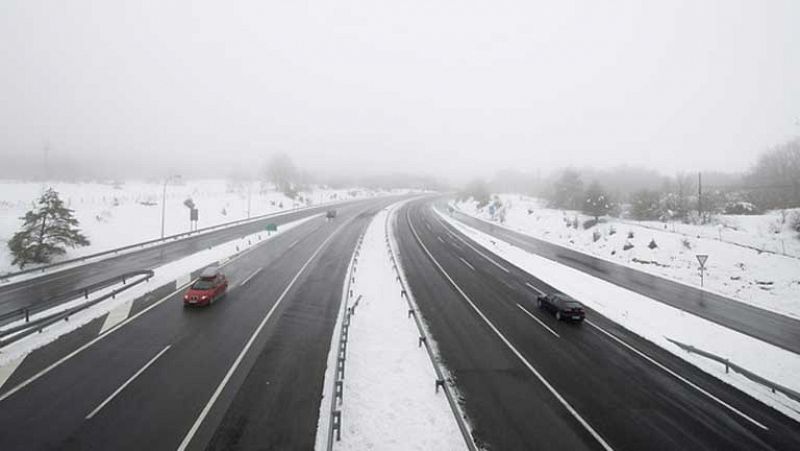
(451, 88)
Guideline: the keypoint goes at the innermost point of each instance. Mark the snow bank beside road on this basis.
(763, 279)
(658, 322)
(389, 401)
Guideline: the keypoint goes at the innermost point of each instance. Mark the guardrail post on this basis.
(337, 424)
(340, 367)
(727, 366)
(439, 383)
(339, 391)
(27, 315)
(123, 280)
(410, 312)
(86, 293)
(421, 340)
(403, 294)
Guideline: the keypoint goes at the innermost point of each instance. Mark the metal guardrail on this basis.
(164, 240)
(337, 396)
(743, 371)
(32, 326)
(423, 340)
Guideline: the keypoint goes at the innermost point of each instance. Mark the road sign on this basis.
(272, 227)
(701, 258)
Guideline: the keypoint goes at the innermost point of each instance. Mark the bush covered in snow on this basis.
(741, 208)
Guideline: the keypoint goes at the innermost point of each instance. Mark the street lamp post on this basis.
(164, 201)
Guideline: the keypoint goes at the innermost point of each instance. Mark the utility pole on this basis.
(700, 197)
(164, 201)
(249, 186)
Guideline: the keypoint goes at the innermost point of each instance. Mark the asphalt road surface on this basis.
(531, 382)
(244, 373)
(31, 291)
(779, 330)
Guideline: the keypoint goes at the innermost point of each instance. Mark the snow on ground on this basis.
(177, 271)
(117, 214)
(658, 322)
(389, 401)
(767, 280)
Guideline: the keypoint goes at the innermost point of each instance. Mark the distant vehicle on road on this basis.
(563, 306)
(330, 214)
(210, 286)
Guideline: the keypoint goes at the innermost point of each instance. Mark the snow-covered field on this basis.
(734, 268)
(117, 214)
(178, 271)
(389, 401)
(658, 323)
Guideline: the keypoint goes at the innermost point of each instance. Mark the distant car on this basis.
(330, 214)
(563, 306)
(210, 286)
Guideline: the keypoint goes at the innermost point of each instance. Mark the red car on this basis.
(210, 286)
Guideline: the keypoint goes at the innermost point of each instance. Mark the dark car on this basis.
(210, 286)
(330, 214)
(563, 306)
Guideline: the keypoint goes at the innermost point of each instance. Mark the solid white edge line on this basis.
(122, 387)
(250, 276)
(179, 288)
(467, 263)
(538, 321)
(676, 375)
(534, 288)
(193, 430)
(533, 370)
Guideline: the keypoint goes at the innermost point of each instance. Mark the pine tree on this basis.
(596, 202)
(47, 229)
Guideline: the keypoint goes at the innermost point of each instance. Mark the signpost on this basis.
(701, 258)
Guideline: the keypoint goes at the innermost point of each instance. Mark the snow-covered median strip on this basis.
(658, 323)
(389, 398)
(177, 272)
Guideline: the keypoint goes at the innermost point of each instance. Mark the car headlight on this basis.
(203, 298)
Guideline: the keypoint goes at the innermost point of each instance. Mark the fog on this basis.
(450, 89)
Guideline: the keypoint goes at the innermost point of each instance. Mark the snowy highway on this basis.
(529, 381)
(26, 292)
(779, 330)
(249, 370)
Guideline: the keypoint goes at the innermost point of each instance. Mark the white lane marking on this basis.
(538, 321)
(122, 387)
(533, 370)
(478, 251)
(293, 243)
(250, 276)
(8, 369)
(467, 263)
(676, 375)
(534, 288)
(440, 239)
(116, 316)
(189, 435)
(180, 287)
